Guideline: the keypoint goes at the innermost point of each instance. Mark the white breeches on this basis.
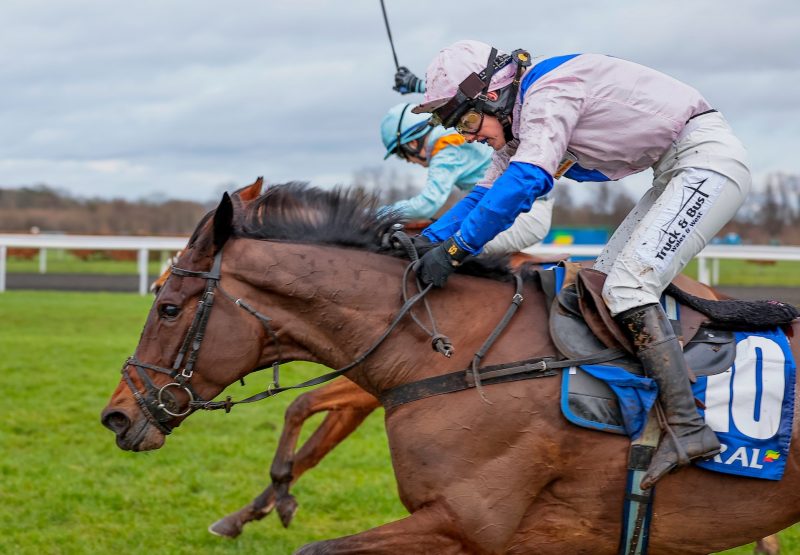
(698, 186)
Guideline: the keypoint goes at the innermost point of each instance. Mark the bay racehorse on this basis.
(509, 476)
(346, 406)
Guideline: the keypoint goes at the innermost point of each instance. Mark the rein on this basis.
(439, 342)
(270, 391)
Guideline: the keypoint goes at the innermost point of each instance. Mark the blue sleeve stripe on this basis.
(579, 173)
(540, 69)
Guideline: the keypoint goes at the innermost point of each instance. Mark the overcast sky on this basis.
(176, 98)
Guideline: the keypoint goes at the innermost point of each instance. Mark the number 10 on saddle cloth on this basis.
(750, 405)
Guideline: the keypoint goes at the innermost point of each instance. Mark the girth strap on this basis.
(510, 372)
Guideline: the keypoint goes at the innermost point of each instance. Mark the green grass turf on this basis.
(66, 488)
(749, 272)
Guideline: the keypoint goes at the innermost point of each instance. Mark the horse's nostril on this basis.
(116, 421)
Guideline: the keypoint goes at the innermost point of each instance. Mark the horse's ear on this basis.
(251, 192)
(223, 222)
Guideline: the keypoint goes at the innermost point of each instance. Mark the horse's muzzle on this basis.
(133, 434)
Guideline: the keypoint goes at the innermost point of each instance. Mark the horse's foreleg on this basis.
(338, 424)
(428, 530)
(335, 428)
(232, 524)
(349, 405)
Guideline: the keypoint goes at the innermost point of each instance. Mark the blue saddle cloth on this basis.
(750, 405)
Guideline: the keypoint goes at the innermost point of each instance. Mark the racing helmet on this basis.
(400, 126)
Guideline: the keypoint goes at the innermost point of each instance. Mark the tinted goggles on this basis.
(470, 123)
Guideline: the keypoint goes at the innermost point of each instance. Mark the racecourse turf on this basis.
(66, 488)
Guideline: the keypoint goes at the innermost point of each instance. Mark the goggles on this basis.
(465, 98)
(470, 123)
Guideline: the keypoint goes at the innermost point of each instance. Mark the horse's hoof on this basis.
(770, 545)
(233, 524)
(286, 507)
(226, 527)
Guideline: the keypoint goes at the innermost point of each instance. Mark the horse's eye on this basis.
(169, 310)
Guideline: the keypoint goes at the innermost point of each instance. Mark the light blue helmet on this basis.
(400, 125)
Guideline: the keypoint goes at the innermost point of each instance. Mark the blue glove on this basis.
(438, 263)
(406, 82)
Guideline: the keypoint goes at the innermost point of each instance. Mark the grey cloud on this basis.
(178, 97)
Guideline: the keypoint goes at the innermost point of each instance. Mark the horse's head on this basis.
(302, 278)
(160, 380)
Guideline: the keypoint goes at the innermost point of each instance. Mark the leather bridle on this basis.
(160, 405)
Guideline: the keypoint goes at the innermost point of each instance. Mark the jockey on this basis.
(451, 161)
(593, 117)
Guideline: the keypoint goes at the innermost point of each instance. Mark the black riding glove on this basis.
(421, 243)
(438, 263)
(406, 82)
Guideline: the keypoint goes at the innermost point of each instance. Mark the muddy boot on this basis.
(687, 437)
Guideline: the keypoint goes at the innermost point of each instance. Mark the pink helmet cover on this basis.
(452, 65)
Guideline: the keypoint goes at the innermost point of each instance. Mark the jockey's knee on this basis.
(621, 293)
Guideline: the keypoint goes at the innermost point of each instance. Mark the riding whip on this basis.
(389, 32)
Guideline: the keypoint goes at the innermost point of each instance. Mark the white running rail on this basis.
(143, 246)
(707, 273)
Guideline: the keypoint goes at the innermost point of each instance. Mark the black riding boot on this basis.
(661, 355)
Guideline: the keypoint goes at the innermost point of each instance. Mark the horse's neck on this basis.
(342, 300)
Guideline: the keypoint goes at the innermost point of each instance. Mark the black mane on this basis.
(343, 217)
(297, 212)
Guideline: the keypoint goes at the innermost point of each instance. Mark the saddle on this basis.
(581, 325)
(580, 297)
(589, 286)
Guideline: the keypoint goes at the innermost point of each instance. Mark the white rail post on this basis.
(3, 252)
(142, 259)
(703, 275)
(43, 260)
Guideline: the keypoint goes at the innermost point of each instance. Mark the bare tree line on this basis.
(771, 213)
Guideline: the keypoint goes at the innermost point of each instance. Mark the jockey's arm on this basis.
(473, 224)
